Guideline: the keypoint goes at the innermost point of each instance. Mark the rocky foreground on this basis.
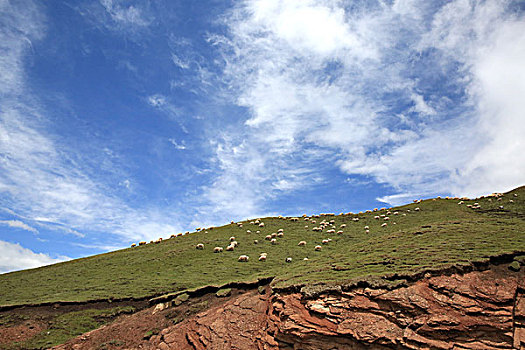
(471, 310)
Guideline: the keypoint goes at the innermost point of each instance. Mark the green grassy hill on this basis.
(440, 234)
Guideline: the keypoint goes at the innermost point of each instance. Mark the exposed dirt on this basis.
(474, 310)
(20, 332)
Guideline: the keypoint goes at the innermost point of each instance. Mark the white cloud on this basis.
(420, 97)
(179, 146)
(15, 257)
(40, 178)
(18, 224)
(125, 14)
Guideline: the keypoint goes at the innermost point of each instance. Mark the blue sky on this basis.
(132, 120)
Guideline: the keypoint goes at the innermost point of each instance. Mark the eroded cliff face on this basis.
(476, 310)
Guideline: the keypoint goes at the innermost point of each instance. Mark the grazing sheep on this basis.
(396, 212)
(217, 250)
(262, 258)
(133, 245)
(243, 258)
(340, 232)
(234, 243)
(302, 243)
(342, 226)
(173, 236)
(280, 234)
(252, 223)
(306, 259)
(273, 241)
(288, 260)
(417, 209)
(230, 248)
(200, 246)
(461, 202)
(280, 230)
(232, 222)
(294, 219)
(257, 231)
(355, 219)
(515, 194)
(142, 243)
(376, 217)
(248, 231)
(317, 229)
(268, 237)
(261, 224)
(264, 254)
(255, 242)
(366, 227)
(232, 238)
(383, 225)
(318, 248)
(274, 235)
(368, 231)
(330, 231)
(511, 201)
(386, 218)
(325, 241)
(257, 222)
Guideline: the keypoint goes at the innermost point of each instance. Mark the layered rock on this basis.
(476, 310)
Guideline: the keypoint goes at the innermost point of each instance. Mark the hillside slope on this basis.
(441, 233)
(437, 273)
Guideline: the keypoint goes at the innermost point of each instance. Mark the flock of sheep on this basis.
(326, 225)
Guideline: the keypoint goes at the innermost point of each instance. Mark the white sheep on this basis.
(230, 248)
(325, 241)
(288, 260)
(366, 227)
(342, 226)
(268, 237)
(280, 230)
(262, 258)
(200, 246)
(255, 242)
(217, 250)
(340, 232)
(305, 259)
(234, 243)
(383, 225)
(318, 248)
(274, 235)
(261, 224)
(273, 241)
(302, 243)
(417, 209)
(280, 234)
(232, 239)
(376, 217)
(243, 258)
(330, 231)
(248, 231)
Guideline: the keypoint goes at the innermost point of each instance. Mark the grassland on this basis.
(442, 233)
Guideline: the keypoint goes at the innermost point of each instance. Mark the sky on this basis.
(131, 120)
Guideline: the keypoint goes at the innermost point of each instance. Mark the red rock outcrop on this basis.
(476, 310)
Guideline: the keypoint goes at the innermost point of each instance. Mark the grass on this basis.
(66, 326)
(442, 233)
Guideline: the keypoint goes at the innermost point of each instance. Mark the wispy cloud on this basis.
(15, 257)
(18, 224)
(423, 98)
(125, 14)
(42, 179)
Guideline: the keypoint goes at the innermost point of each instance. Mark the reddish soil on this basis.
(20, 332)
(474, 310)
